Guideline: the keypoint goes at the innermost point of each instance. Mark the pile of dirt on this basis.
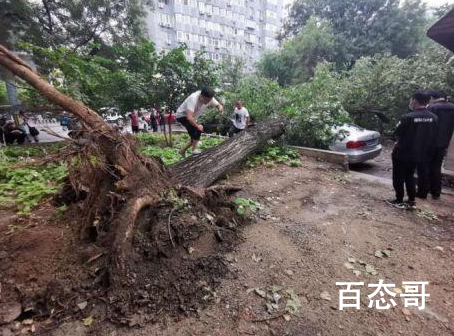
(50, 275)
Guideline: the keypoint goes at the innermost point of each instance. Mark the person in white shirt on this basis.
(241, 120)
(188, 112)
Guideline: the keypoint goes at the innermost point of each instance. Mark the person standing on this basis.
(429, 173)
(135, 123)
(162, 120)
(64, 122)
(153, 116)
(188, 113)
(241, 120)
(415, 138)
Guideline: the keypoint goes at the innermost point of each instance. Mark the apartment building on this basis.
(223, 28)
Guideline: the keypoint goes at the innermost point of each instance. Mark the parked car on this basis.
(358, 143)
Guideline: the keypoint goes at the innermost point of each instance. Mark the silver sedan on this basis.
(358, 143)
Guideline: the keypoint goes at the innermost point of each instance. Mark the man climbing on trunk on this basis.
(429, 173)
(191, 109)
(415, 137)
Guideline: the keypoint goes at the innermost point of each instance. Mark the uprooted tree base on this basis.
(155, 251)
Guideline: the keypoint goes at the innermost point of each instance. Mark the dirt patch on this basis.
(177, 263)
(314, 219)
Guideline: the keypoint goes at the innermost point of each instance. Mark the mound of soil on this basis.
(52, 276)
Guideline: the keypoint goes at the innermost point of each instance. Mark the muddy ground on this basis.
(314, 219)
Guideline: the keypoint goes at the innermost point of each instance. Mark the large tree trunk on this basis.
(204, 169)
(121, 183)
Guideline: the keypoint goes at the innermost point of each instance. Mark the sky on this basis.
(438, 2)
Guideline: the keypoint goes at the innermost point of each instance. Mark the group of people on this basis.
(19, 132)
(148, 121)
(423, 137)
(194, 106)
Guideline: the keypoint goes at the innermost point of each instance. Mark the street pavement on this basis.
(53, 127)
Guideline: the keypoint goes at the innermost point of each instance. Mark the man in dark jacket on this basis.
(429, 173)
(415, 137)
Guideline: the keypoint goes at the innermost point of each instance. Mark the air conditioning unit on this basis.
(201, 11)
(160, 5)
(169, 43)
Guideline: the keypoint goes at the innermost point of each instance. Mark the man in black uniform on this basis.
(429, 174)
(415, 137)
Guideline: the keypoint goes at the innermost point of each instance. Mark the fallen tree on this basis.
(126, 192)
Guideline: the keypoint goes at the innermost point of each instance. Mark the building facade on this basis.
(223, 28)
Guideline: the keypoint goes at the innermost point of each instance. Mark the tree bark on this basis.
(121, 182)
(204, 169)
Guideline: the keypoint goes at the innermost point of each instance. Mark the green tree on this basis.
(365, 27)
(73, 23)
(296, 61)
(384, 84)
(231, 71)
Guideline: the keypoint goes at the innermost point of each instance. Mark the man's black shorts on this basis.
(193, 131)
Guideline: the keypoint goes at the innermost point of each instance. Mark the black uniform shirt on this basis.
(416, 134)
(445, 113)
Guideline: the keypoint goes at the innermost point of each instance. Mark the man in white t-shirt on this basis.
(241, 120)
(188, 112)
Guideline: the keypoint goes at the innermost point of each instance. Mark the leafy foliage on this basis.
(365, 27)
(275, 154)
(25, 187)
(246, 206)
(128, 76)
(385, 83)
(73, 23)
(154, 145)
(296, 61)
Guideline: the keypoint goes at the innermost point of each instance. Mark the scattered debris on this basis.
(426, 214)
(82, 305)
(439, 248)
(278, 299)
(382, 253)
(88, 321)
(255, 258)
(356, 272)
(289, 272)
(9, 312)
(325, 296)
(371, 270)
(349, 266)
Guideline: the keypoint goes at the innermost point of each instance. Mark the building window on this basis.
(215, 10)
(222, 12)
(165, 20)
(271, 14)
(168, 37)
(208, 9)
(180, 36)
(201, 7)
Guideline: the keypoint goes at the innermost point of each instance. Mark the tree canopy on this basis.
(364, 27)
(72, 23)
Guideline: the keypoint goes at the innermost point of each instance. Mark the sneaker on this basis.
(435, 197)
(196, 152)
(396, 203)
(410, 205)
